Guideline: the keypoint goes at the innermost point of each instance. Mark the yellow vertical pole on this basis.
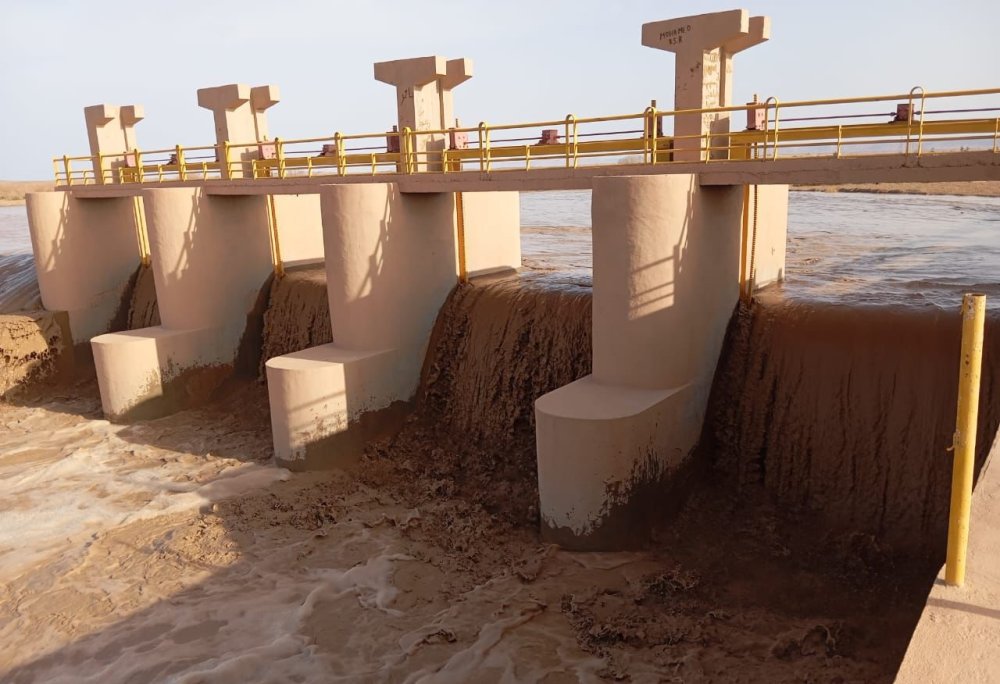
(272, 232)
(141, 233)
(69, 177)
(463, 271)
(181, 171)
(964, 444)
(744, 284)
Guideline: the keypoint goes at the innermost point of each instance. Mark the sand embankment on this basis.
(12, 192)
(30, 347)
(962, 188)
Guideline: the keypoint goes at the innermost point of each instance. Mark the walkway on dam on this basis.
(908, 137)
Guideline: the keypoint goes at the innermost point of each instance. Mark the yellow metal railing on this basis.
(920, 123)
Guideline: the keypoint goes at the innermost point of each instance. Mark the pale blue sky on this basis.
(533, 60)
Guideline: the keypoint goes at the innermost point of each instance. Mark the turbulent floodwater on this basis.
(171, 550)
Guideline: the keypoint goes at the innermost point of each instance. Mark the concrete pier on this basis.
(612, 446)
(210, 258)
(391, 260)
(85, 252)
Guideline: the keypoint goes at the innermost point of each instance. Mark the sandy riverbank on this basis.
(12, 192)
(966, 189)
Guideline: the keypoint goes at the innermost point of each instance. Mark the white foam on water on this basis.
(60, 486)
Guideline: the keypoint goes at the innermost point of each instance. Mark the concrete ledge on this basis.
(607, 457)
(958, 636)
(327, 402)
(150, 372)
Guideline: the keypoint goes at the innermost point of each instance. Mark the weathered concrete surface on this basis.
(958, 636)
(666, 279)
(85, 255)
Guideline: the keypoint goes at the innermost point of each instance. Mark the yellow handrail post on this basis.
(66, 168)
(228, 170)
(964, 442)
(774, 146)
(920, 129)
(279, 150)
(181, 171)
(909, 122)
(569, 120)
(338, 140)
(138, 164)
(407, 150)
(482, 145)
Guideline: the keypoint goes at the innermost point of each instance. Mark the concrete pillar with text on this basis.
(425, 102)
(704, 46)
(613, 446)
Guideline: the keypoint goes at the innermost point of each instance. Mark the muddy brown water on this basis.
(805, 551)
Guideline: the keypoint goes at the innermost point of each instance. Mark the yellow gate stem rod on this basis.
(272, 234)
(463, 272)
(964, 443)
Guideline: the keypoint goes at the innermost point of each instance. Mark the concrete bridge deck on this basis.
(875, 168)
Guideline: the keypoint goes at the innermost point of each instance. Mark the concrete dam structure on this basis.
(689, 216)
(777, 466)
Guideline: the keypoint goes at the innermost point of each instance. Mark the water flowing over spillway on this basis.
(849, 411)
(18, 284)
(297, 315)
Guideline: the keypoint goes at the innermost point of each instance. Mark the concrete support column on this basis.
(240, 118)
(85, 252)
(424, 100)
(703, 73)
(111, 131)
(391, 260)
(210, 260)
(612, 445)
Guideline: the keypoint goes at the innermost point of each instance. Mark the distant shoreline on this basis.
(963, 189)
(12, 192)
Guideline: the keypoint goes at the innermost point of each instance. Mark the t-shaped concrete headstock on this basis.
(696, 33)
(703, 73)
(239, 110)
(111, 132)
(423, 89)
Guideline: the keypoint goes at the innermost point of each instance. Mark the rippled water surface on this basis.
(849, 247)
